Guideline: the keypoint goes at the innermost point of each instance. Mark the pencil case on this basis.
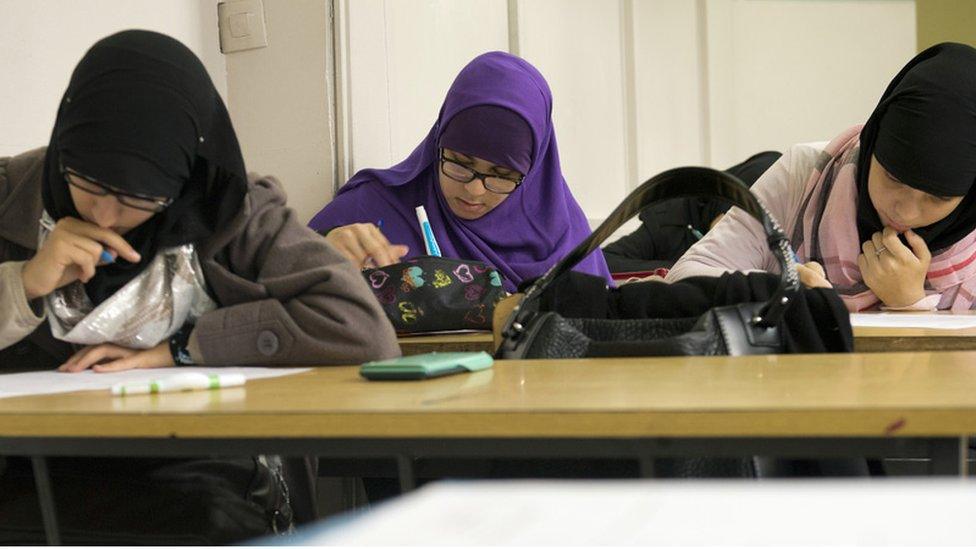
(432, 294)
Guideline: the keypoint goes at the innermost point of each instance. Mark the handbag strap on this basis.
(684, 183)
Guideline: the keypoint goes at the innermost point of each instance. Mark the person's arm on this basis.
(928, 303)
(343, 209)
(19, 317)
(305, 302)
(738, 242)
(345, 227)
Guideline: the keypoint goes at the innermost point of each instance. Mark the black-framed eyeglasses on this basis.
(132, 200)
(463, 174)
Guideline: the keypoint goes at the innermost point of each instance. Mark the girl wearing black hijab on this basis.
(884, 213)
(136, 240)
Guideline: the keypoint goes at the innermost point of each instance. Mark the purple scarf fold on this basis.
(523, 236)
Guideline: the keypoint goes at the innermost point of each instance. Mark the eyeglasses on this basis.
(463, 174)
(139, 202)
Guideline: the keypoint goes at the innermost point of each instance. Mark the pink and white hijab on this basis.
(828, 234)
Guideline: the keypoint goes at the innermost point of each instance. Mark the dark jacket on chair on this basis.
(668, 229)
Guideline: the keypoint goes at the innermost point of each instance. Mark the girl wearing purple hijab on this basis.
(488, 175)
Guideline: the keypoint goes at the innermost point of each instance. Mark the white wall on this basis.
(671, 115)
(402, 58)
(639, 85)
(42, 41)
(580, 55)
(783, 72)
(280, 99)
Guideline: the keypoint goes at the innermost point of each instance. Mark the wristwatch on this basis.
(178, 343)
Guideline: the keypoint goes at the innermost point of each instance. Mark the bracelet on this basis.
(177, 346)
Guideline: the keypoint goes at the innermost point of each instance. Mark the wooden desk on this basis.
(871, 395)
(906, 404)
(415, 345)
(875, 340)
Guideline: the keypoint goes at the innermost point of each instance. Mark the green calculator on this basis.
(426, 366)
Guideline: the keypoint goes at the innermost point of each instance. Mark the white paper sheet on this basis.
(674, 513)
(443, 332)
(913, 320)
(50, 382)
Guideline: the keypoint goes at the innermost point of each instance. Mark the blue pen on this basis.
(379, 224)
(696, 233)
(429, 241)
(105, 257)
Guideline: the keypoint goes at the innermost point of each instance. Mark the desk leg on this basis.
(408, 479)
(46, 498)
(948, 457)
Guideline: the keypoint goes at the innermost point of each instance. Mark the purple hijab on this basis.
(523, 236)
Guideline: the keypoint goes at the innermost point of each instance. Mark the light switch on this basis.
(239, 25)
(242, 25)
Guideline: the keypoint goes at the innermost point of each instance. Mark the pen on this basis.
(429, 241)
(187, 381)
(105, 257)
(696, 233)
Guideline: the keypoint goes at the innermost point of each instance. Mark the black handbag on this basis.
(432, 294)
(740, 329)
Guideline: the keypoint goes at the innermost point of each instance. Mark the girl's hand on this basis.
(365, 245)
(812, 275)
(113, 358)
(71, 252)
(895, 273)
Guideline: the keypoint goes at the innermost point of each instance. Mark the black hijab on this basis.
(142, 115)
(923, 132)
